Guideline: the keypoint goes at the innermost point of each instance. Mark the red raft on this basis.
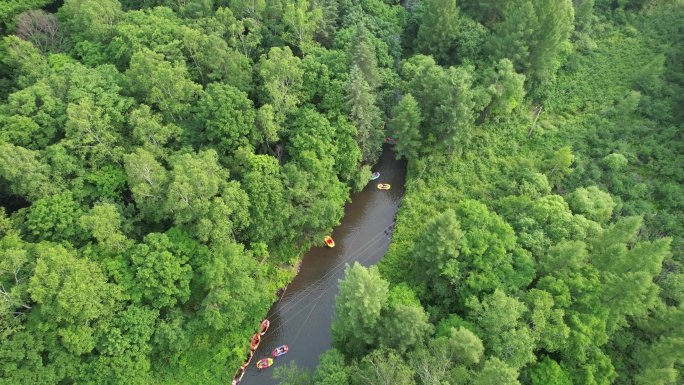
(256, 340)
(264, 326)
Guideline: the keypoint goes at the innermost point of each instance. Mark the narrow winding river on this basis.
(302, 318)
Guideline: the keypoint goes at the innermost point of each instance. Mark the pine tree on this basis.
(362, 55)
(406, 126)
(364, 114)
(439, 29)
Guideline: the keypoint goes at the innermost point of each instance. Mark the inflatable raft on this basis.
(375, 176)
(265, 363)
(280, 350)
(383, 186)
(264, 326)
(329, 241)
(256, 340)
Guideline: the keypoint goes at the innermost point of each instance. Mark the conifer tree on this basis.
(362, 55)
(364, 114)
(439, 29)
(406, 126)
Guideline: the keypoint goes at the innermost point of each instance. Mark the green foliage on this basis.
(383, 366)
(406, 126)
(162, 84)
(331, 370)
(364, 115)
(25, 174)
(469, 250)
(282, 79)
(497, 318)
(532, 35)
(358, 308)
(547, 371)
(162, 274)
(592, 203)
(91, 19)
(227, 118)
(72, 296)
(496, 371)
(302, 20)
(164, 164)
(54, 219)
(447, 102)
(104, 222)
(439, 29)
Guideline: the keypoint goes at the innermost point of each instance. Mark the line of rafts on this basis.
(253, 345)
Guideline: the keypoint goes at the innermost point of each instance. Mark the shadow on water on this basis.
(302, 318)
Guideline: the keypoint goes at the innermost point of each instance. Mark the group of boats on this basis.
(381, 186)
(253, 345)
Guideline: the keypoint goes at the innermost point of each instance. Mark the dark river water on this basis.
(302, 318)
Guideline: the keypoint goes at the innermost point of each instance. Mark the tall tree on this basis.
(148, 181)
(72, 295)
(104, 222)
(532, 35)
(593, 203)
(91, 19)
(447, 102)
(468, 255)
(54, 218)
(496, 372)
(498, 317)
(89, 133)
(163, 84)
(383, 367)
(24, 173)
(362, 55)
(358, 309)
(162, 273)
(365, 115)
(193, 181)
(438, 30)
(150, 132)
(406, 126)
(226, 117)
(302, 20)
(282, 79)
(505, 88)
(406, 327)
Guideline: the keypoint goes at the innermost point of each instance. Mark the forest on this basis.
(165, 164)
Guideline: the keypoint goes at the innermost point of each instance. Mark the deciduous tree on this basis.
(358, 308)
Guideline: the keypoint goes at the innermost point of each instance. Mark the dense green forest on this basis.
(164, 164)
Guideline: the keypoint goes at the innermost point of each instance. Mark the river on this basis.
(302, 317)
